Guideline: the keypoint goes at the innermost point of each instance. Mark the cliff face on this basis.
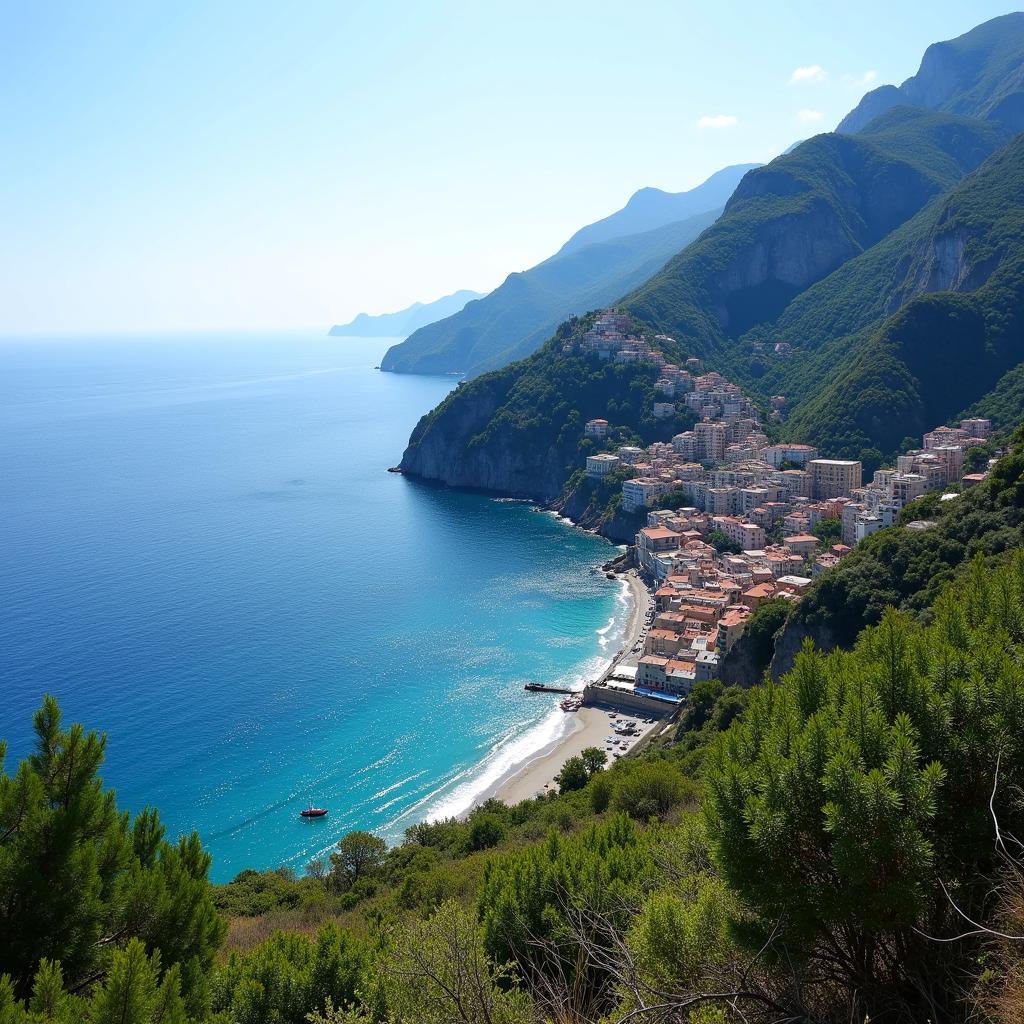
(794, 222)
(443, 457)
(977, 74)
(975, 232)
(446, 448)
(795, 632)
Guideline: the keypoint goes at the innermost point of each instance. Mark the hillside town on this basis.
(755, 521)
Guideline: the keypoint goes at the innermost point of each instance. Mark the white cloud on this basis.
(717, 121)
(807, 115)
(810, 75)
(864, 80)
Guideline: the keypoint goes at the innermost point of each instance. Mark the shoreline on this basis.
(589, 727)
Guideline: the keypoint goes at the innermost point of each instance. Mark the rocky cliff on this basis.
(447, 447)
(979, 74)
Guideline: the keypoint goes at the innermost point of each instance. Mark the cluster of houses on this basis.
(733, 483)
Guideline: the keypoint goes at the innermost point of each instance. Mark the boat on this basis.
(314, 812)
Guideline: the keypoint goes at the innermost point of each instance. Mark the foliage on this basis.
(530, 898)
(722, 544)
(284, 978)
(439, 972)
(485, 831)
(908, 568)
(79, 880)
(828, 531)
(854, 786)
(358, 854)
(573, 775)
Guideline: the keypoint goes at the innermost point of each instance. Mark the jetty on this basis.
(544, 688)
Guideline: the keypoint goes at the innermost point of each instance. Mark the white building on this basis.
(800, 454)
(601, 465)
(639, 493)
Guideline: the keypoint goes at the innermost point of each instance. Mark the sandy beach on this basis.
(588, 727)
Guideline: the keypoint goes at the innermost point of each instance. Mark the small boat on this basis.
(314, 812)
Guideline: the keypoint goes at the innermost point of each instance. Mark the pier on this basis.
(544, 688)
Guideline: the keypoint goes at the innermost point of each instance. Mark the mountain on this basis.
(958, 293)
(890, 262)
(651, 207)
(598, 264)
(405, 321)
(788, 226)
(516, 317)
(978, 74)
(793, 222)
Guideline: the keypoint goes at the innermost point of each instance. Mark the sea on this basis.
(203, 556)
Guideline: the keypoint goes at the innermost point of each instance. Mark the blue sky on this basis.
(267, 164)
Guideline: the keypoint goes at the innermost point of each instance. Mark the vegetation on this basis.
(860, 377)
(907, 568)
(897, 382)
(517, 317)
(804, 849)
(86, 885)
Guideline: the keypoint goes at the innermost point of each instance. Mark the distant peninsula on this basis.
(405, 321)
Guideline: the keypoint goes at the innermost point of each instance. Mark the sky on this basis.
(262, 164)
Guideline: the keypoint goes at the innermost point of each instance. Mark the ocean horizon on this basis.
(205, 558)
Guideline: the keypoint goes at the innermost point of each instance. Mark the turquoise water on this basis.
(202, 555)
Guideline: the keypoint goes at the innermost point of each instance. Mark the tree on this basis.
(828, 531)
(594, 759)
(600, 793)
(529, 898)
(133, 993)
(852, 792)
(289, 975)
(573, 775)
(722, 544)
(485, 830)
(79, 880)
(650, 791)
(317, 868)
(358, 854)
(871, 459)
(438, 972)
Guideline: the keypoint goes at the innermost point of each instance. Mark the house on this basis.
(802, 544)
(834, 478)
(641, 491)
(601, 465)
(596, 428)
(657, 538)
(801, 454)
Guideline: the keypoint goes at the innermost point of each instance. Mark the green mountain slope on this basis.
(405, 321)
(515, 318)
(519, 430)
(959, 325)
(788, 226)
(801, 217)
(889, 261)
(978, 74)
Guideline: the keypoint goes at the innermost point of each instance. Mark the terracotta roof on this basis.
(658, 533)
